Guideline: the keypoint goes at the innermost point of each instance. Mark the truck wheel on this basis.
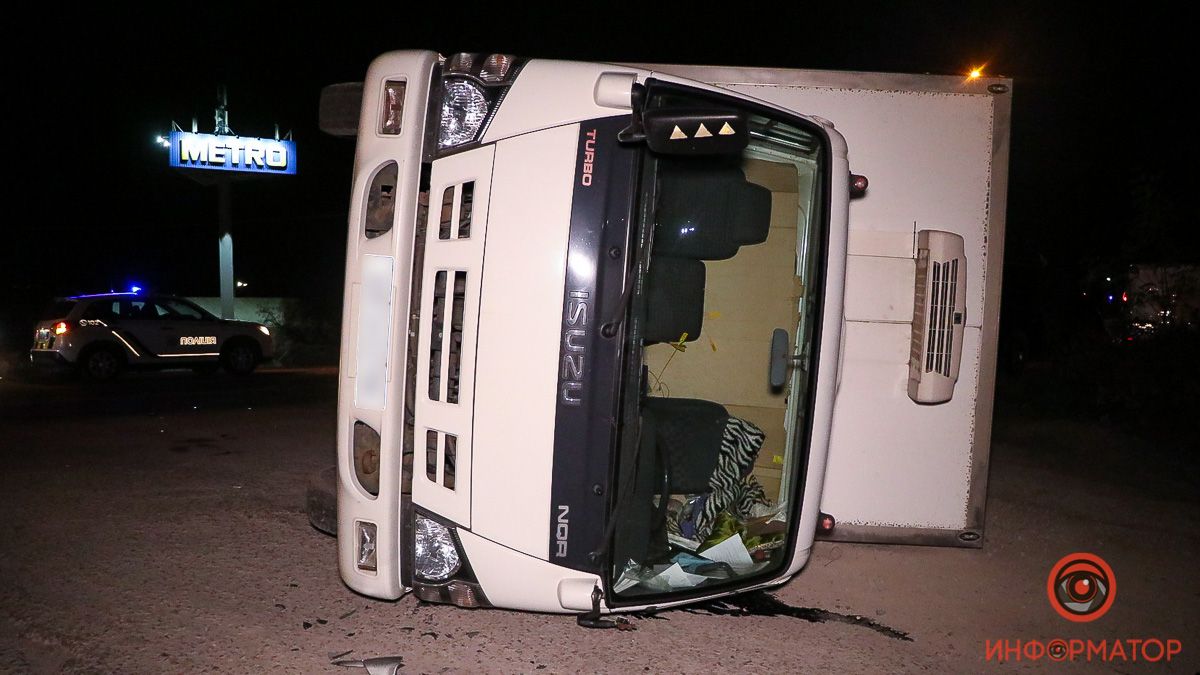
(101, 364)
(240, 358)
(321, 500)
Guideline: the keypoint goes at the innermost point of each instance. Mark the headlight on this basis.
(472, 87)
(464, 109)
(435, 557)
(264, 330)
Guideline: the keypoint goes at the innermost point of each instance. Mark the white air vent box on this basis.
(939, 315)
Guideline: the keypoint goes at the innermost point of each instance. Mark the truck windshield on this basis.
(710, 464)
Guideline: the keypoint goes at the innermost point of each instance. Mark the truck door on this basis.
(157, 328)
(186, 330)
(909, 445)
(138, 324)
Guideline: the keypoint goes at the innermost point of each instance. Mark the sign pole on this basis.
(225, 245)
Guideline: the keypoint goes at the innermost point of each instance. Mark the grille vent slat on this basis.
(441, 455)
(457, 206)
(939, 341)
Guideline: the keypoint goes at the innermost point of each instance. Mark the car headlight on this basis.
(264, 330)
(472, 88)
(435, 555)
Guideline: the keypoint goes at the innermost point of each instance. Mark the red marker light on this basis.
(60, 327)
(858, 185)
(1124, 297)
(825, 523)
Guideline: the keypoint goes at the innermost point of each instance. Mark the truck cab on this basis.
(598, 325)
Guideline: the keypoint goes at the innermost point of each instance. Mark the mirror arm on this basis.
(636, 131)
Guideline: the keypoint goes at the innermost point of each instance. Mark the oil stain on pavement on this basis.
(759, 603)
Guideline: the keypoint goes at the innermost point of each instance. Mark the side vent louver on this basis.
(939, 316)
(444, 460)
(455, 220)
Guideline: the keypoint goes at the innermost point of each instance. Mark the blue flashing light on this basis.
(96, 295)
(135, 289)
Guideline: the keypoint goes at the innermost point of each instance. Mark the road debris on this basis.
(379, 665)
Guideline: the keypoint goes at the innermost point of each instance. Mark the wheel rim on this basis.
(241, 358)
(102, 365)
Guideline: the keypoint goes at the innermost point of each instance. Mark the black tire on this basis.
(321, 500)
(240, 358)
(101, 364)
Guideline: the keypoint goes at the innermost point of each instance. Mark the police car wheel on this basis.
(101, 364)
(239, 359)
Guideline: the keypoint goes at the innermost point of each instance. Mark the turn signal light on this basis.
(462, 64)
(495, 68)
(393, 107)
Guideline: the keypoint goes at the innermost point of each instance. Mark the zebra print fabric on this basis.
(731, 487)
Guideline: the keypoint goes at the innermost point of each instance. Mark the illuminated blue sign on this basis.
(232, 153)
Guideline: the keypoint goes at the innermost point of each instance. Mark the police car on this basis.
(101, 335)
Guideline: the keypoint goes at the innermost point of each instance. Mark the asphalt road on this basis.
(156, 524)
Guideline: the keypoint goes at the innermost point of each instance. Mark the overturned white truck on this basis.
(629, 336)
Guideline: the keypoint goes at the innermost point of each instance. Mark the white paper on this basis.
(675, 577)
(649, 576)
(732, 551)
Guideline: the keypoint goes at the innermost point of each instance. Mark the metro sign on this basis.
(232, 153)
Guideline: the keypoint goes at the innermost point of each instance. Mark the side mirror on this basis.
(339, 109)
(695, 131)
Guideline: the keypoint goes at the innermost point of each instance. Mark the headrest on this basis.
(707, 209)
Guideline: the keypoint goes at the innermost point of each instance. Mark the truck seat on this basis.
(674, 300)
(707, 210)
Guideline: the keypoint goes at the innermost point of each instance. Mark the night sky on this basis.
(1103, 132)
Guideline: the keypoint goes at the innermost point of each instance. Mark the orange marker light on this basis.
(975, 73)
(60, 327)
